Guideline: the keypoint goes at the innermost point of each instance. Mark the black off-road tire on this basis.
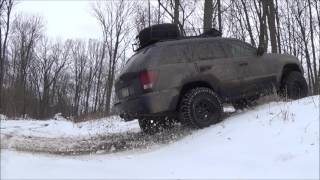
(200, 108)
(294, 86)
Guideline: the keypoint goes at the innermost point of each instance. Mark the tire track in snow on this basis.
(108, 143)
(93, 144)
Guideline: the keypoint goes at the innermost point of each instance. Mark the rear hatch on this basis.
(137, 70)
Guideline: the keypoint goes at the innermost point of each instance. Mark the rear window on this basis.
(138, 54)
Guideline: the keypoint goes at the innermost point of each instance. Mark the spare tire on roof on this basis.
(158, 32)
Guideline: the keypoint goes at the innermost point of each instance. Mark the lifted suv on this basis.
(189, 79)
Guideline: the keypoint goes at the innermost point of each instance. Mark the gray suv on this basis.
(189, 79)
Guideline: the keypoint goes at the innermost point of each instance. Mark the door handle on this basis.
(243, 64)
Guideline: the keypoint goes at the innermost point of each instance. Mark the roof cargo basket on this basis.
(162, 32)
(157, 33)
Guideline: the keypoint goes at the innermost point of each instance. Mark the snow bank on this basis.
(60, 127)
(3, 117)
(276, 140)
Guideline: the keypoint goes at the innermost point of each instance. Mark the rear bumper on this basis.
(150, 104)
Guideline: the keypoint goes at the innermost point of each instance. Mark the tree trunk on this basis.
(278, 27)
(89, 85)
(176, 12)
(207, 15)
(6, 6)
(44, 100)
(306, 50)
(97, 98)
(248, 23)
(271, 23)
(219, 15)
(263, 26)
(315, 88)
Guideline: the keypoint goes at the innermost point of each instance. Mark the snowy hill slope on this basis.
(275, 140)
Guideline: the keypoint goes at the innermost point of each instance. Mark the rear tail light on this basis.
(148, 79)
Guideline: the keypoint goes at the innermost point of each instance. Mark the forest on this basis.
(41, 76)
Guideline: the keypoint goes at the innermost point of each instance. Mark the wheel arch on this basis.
(191, 85)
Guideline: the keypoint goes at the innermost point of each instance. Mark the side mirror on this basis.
(260, 51)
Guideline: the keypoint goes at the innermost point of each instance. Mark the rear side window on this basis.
(241, 49)
(210, 50)
(174, 54)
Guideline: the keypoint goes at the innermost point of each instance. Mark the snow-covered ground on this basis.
(63, 128)
(274, 140)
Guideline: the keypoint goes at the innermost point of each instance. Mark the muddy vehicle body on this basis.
(188, 79)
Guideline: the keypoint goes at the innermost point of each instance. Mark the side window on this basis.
(202, 51)
(240, 49)
(173, 54)
(216, 50)
(210, 50)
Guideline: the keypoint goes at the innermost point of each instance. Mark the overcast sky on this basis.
(64, 19)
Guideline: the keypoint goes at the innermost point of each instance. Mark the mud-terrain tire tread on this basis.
(185, 109)
(287, 85)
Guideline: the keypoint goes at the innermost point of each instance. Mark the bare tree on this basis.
(27, 31)
(316, 83)
(5, 19)
(80, 60)
(113, 18)
(50, 61)
(178, 11)
(248, 24)
(142, 18)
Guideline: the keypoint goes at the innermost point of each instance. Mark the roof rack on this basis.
(165, 32)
